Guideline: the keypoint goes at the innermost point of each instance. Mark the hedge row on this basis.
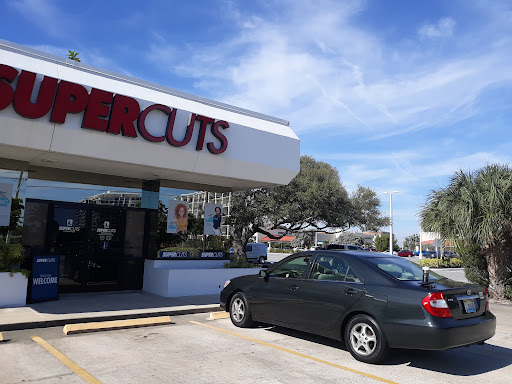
(446, 263)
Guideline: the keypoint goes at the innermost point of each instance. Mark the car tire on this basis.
(261, 260)
(240, 312)
(365, 340)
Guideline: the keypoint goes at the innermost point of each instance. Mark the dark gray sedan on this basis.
(372, 301)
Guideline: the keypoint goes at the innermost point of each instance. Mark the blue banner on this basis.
(212, 255)
(174, 255)
(45, 278)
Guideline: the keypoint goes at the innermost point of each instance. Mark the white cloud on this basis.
(314, 67)
(443, 29)
(46, 15)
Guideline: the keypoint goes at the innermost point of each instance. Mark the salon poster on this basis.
(5, 204)
(213, 219)
(177, 217)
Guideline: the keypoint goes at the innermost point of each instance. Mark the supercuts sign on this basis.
(103, 111)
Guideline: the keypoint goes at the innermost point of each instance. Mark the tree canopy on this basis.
(475, 209)
(382, 243)
(314, 200)
(14, 222)
(411, 241)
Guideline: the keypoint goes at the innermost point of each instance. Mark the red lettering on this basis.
(6, 92)
(41, 107)
(223, 140)
(125, 111)
(71, 98)
(141, 122)
(98, 110)
(188, 134)
(202, 130)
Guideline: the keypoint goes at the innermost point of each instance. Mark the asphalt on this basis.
(104, 306)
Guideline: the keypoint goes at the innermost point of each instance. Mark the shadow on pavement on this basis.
(118, 301)
(463, 361)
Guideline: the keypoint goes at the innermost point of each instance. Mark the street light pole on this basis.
(391, 220)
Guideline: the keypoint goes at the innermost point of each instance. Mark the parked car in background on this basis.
(449, 254)
(373, 301)
(404, 253)
(426, 254)
(344, 247)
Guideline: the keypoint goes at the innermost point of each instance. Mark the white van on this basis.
(256, 252)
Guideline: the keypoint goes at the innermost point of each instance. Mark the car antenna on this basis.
(425, 281)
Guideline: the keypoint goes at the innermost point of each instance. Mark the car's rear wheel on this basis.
(261, 260)
(240, 312)
(365, 340)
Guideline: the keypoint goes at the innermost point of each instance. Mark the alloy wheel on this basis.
(363, 339)
(238, 309)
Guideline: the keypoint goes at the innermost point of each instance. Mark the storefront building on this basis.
(61, 120)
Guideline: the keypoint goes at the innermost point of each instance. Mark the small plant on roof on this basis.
(73, 56)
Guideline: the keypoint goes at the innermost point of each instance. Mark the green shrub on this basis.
(238, 262)
(446, 263)
(274, 250)
(508, 293)
(11, 257)
(474, 263)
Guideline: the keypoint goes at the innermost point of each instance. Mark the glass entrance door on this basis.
(90, 244)
(67, 237)
(106, 244)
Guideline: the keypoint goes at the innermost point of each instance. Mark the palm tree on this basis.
(476, 209)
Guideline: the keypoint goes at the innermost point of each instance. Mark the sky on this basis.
(398, 95)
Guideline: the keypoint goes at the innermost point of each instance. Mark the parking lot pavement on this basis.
(195, 349)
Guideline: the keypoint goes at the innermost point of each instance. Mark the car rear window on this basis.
(400, 269)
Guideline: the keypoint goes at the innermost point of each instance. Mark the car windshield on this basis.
(401, 269)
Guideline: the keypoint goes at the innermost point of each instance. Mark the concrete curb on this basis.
(102, 317)
(71, 329)
(219, 315)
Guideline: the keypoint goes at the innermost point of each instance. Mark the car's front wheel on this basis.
(365, 340)
(240, 312)
(261, 260)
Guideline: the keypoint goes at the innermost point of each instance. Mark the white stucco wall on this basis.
(161, 280)
(13, 290)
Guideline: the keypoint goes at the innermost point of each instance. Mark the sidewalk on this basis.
(103, 306)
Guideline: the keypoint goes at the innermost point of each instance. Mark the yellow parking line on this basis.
(66, 361)
(503, 329)
(298, 354)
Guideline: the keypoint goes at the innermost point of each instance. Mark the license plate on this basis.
(469, 306)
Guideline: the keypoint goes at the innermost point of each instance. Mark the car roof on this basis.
(359, 254)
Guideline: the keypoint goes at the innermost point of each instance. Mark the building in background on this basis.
(119, 199)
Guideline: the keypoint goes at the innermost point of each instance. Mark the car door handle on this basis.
(350, 291)
(294, 287)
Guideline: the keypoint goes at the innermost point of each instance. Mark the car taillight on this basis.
(436, 305)
(486, 300)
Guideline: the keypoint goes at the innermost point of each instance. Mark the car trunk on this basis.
(464, 300)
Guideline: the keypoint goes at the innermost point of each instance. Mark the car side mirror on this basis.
(263, 273)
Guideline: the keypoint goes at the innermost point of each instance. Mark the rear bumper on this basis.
(438, 334)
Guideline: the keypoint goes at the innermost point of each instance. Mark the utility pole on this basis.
(391, 220)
